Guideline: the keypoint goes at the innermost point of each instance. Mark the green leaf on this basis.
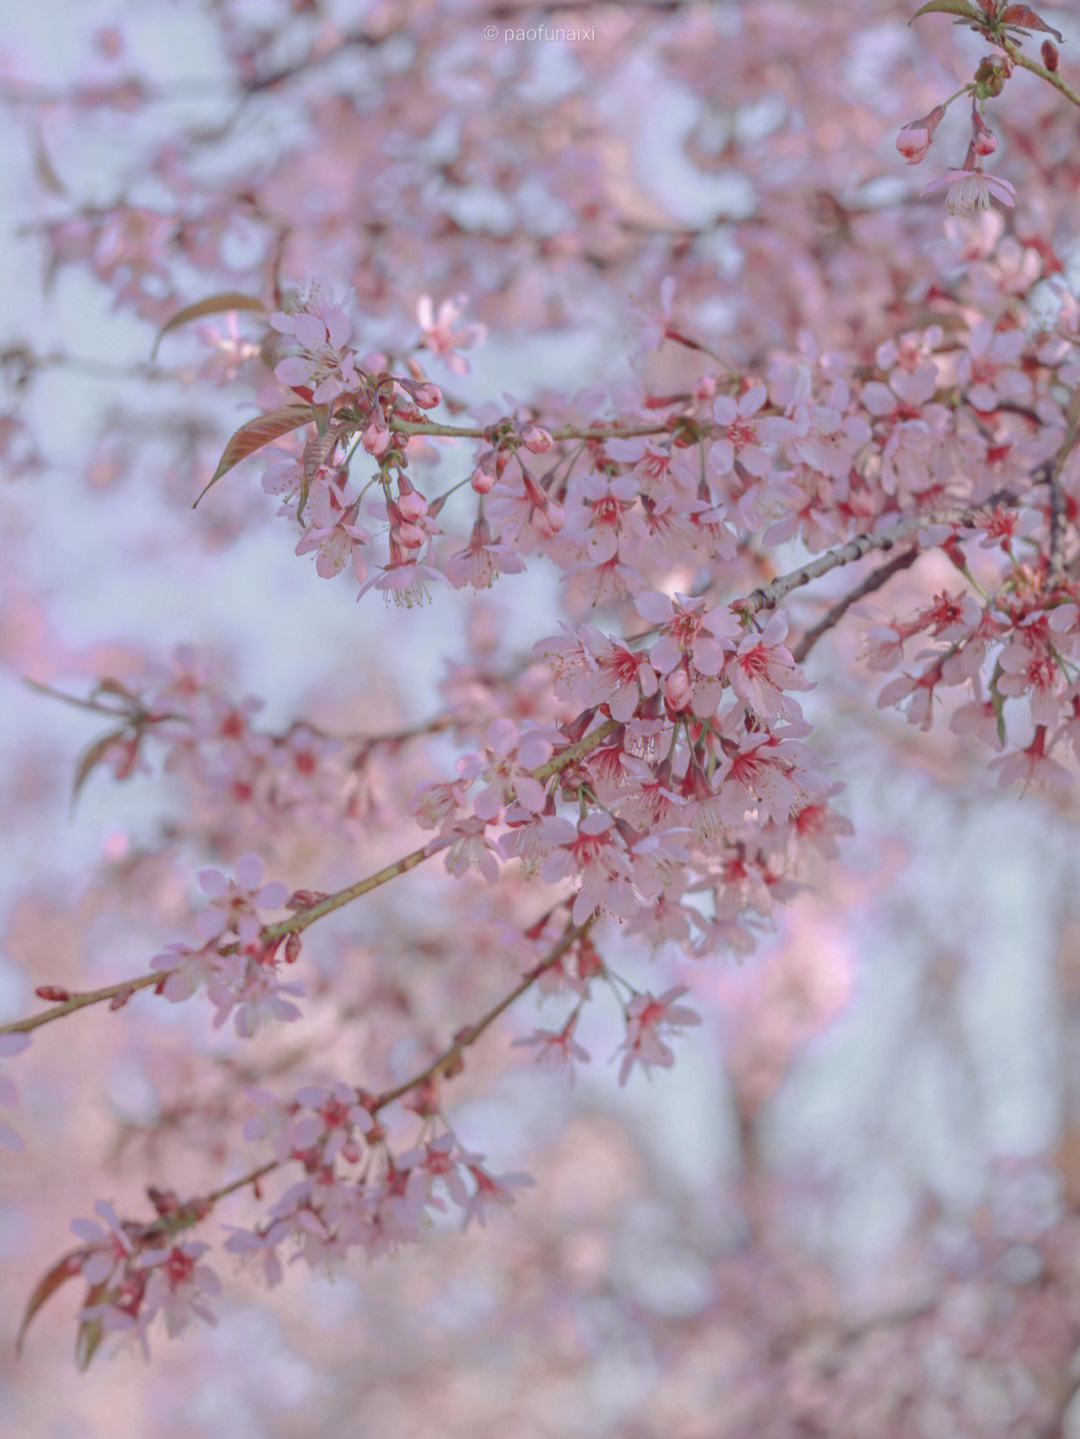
(254, 435)
(87, 1342)
(215, 305)
(997, 700)
(960, 8)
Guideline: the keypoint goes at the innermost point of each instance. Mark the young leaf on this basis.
(213, 305)
(254, 435)
(92, 757)
(63, 1270)
(1022, 17)
(960, 8)
(87, 1341)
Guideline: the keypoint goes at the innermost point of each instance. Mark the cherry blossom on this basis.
(325, 366)
(491, 1192)
(744, 438)
(647, 1016)
(441, 338)
(557, 1049)
(840, 421)
(235, 903)
(971, 190)
(762, 668)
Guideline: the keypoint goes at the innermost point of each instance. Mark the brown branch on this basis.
(446, 1062)
(122, 990)
(873, 581)
(846, 554)
(1050, 473)
(304, 917)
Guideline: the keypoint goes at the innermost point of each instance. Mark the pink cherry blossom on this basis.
(971, 190)
(821, 454)
(742, 437)
(235, 903)
(649, 1016)
(439, 335)
(325, 365)
(914, 139)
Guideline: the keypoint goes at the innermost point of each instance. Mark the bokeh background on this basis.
(851, 1207)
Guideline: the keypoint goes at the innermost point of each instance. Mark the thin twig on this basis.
(872, 582)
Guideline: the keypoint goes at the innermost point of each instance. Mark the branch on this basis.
(1017, 56)
(769, 595)
(873, 581)
(120, 993)
(271, 933)
(445, 1063)
(1050, 472)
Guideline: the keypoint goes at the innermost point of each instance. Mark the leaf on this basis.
(93, 757)
(1022, 17)
(45, 1288)
(997, 700)
(254, 435)
(87, 1342)
(950, 7)
(109, 686)
(230, 301)
(44, 167)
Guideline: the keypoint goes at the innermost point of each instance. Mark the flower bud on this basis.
(410, 503)
(677, 690)
(991, 73)
(409, 537)
(984, 141)
(535, 439)
(914, 139)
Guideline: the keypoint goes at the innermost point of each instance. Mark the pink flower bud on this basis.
(549, 521)
(535, 439)
(984, 141)
(409, 537)
(412, 505)
(914, 139)
(482, 481)
(375, 438)
(677, 690)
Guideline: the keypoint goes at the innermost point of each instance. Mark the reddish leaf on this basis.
(63, 1270)
(44, 168)
(214, 305)
(254, 435)
(1024, 18)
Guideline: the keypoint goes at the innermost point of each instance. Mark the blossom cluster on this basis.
(355, 1194)
(237, 965)
(964, 436)
(858, 387)
(136, 1274)
(214, 745)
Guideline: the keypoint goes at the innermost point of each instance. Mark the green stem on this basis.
(1050, 76)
